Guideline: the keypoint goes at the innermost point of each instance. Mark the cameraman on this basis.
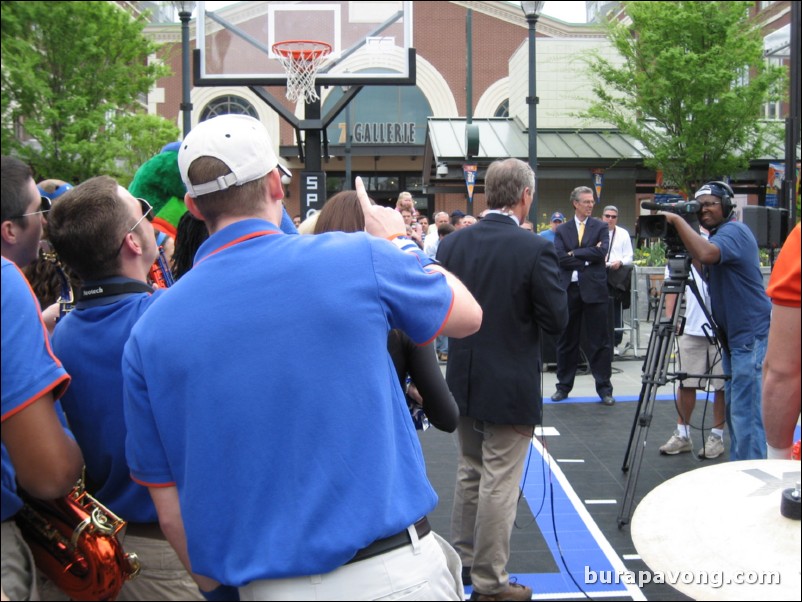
(740, 307)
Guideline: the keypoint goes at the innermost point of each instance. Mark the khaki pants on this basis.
(427, 569)
(162, 576)
(18, 569)
(488, 477)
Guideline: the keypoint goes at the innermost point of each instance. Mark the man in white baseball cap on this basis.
(239, 141)
(240, 418)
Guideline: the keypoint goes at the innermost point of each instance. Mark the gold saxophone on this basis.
(74, 542)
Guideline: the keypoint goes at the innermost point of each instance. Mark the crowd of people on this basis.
(255, 423)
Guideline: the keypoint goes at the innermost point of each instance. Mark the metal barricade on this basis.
(630, 317)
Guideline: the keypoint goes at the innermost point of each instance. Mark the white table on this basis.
(722, 524)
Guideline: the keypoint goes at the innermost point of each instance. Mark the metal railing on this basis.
(640, 287)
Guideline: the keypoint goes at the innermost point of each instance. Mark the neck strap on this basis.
(610, 248)
(98, 291)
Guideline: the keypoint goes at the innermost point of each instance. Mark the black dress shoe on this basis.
(466, 576)
(559, 395)
(608, 400)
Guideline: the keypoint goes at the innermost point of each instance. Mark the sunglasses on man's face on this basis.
(147, 213)
(44, 207)
(611, 216)
(147, 209)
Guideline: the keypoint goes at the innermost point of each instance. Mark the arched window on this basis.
(503, 109)
(228, 105)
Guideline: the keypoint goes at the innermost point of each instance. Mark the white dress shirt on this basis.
(432, 241)
(579, 224)
(620, 247)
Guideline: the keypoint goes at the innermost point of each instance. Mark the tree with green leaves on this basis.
(690, 88)
(73, 78)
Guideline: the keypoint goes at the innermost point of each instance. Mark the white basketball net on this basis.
(301, 60)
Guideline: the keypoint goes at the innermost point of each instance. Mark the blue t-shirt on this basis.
(737, 295)
(89, 341)
(29, 368)
(278, 413)
(548, 234)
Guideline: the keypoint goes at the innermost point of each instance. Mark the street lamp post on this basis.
(185, 14)
(532, 11)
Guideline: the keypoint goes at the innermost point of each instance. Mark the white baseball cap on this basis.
(239, 141)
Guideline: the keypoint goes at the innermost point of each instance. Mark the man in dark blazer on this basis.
(494, 374)
(584, 278)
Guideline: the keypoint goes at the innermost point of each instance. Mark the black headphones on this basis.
(727, 203)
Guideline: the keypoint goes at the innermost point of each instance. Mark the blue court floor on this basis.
(566, 543)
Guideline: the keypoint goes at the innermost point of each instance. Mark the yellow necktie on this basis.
(581, 231)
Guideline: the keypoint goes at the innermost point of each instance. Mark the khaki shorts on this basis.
(697, 356)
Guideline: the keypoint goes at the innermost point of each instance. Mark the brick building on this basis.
(401, 135)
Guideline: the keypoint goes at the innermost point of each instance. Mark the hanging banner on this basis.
(598, 182)
(665, 191)
(470, 179)
(774, 184)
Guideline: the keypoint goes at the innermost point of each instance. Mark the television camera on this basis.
(664, 330)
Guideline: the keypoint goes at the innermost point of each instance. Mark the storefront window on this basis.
(335, 184)
(414, 183)
(384, 115)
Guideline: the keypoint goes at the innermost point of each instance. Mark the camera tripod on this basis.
(655, 370)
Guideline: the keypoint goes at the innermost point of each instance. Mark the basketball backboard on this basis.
(235, 44)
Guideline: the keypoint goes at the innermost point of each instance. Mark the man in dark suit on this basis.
(582, 244)
(494, 374)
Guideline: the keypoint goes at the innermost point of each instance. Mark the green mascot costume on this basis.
(159, 181)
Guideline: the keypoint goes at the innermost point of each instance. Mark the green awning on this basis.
(501, 137)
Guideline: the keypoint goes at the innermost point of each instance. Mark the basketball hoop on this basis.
(301, 60)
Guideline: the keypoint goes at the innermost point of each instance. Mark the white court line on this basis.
(601, 502)
(569, 460)
(604, 545)
(574, 595)
(546, 431)
(631, 556)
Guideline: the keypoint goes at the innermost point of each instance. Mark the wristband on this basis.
(408, 246)
(222, 593)
(405, 243)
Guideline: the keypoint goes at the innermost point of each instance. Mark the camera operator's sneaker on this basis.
(676, 445)
(714, 447)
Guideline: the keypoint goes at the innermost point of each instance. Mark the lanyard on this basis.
(111, 289)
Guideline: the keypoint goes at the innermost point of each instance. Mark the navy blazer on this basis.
(588, 259)
(514, 275)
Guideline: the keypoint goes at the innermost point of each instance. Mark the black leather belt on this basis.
(380, 546)
(148, 530)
